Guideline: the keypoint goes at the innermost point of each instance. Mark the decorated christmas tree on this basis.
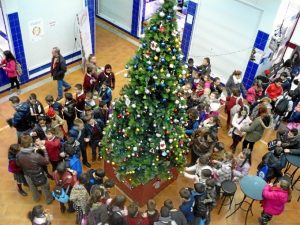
(145, 137)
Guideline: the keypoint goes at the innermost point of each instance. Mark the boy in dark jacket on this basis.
(21, 119)
(69, 110)
(176, 215)
(54, 104)
(95, 177)
(186, 206)
(93, 132)
(78, 133)
(36, 108)
(80, 100)
(105, 94)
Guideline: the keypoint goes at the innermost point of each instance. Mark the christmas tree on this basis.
(145, 137)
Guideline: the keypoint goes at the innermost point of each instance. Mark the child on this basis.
(239, 120)
(80, 197)
(108, 77)
(69, 111)
(105, 94)
(274, 199)
(187, 204)
(211, 124)
(89, 101)
(54, 104)
(224, 170)
(152, 212)
(206, 81)
(78, 133)
(72, 160)
(196, 79)
(193, 122)
(201, 164)
(97, 209)
(53, 147)
(242, 164)
(80, 100)
(190, 65)
(36, 108)
(95, 178)
(118, 205)
(65, 178)
(56, 123)
(175, 214)
(165, 217)
(216, 86)
(135, 217)
(217, 151)
(93, 135)
(16, 170)
(39, 216)
(214, 104)
(89, 80)
(254, 93)
(231, 101)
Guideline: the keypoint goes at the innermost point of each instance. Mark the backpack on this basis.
(263, 171)
(282, 106)
(200, 208)
(19, 69)
(60, 194)
(75, 164)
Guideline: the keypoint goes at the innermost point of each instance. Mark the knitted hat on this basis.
(51, 113)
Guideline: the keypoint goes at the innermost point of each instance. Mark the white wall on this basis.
(226, 32)
(118, 12)
(62, 13)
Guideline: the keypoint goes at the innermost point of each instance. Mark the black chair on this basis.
(229, 188)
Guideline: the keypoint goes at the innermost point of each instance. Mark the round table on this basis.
(295, 161)
(252, 187)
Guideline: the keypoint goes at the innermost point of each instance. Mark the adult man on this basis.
(32, 164)
(21, 119)
(58, 70)
(288, 139)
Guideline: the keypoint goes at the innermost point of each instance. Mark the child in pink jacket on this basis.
(274, 199)
(254, 93)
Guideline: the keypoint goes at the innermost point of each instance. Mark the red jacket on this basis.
(88, 83)
(274, 199)
(69, 178)
(232, 101)
(80, 102)
(273, 91)
(53, 148)
(137, 220)
(10, 68)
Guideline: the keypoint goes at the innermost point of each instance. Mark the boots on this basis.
(21, 191)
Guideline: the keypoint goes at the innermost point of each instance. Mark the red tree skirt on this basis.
(142, 193)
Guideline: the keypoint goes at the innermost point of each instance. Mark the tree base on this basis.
(142, 193)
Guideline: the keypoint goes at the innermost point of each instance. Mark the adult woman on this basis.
(235, 81)
(9, 64)
(255, 131)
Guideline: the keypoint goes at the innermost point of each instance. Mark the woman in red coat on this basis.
(9, 64)
(274, 199)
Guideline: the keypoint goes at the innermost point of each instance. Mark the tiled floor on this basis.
(116, 51)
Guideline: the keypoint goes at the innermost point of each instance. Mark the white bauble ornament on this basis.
(147, 91)
(170, 140)
(161, 1)
(175, 8)
(177, 102)
(183, 72)
(157, 49)
(138, 115)
(125, 75)
(168, 75)
(171, 66)
(136, 92)
(146, 107)
(158, 135)
(154, 125)
(135, 149)
(162, 14)
(133, 105)
(127, 101)
(150, 114)
(149, 62)
(154, 77)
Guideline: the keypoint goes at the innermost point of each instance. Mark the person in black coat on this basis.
(36, 108)
(69, 111)
(58, 70)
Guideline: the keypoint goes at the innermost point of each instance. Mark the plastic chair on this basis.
(229, 188)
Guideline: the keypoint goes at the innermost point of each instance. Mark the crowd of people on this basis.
(44, 138)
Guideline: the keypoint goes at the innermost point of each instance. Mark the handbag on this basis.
(38, 179)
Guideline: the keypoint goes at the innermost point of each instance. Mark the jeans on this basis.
(60, 85)
(35, 193)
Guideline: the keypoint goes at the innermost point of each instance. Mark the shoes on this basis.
(59, 98)
(18, 92)
(22, 192)
(66, 89)
(63, 209)
(87, 164)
